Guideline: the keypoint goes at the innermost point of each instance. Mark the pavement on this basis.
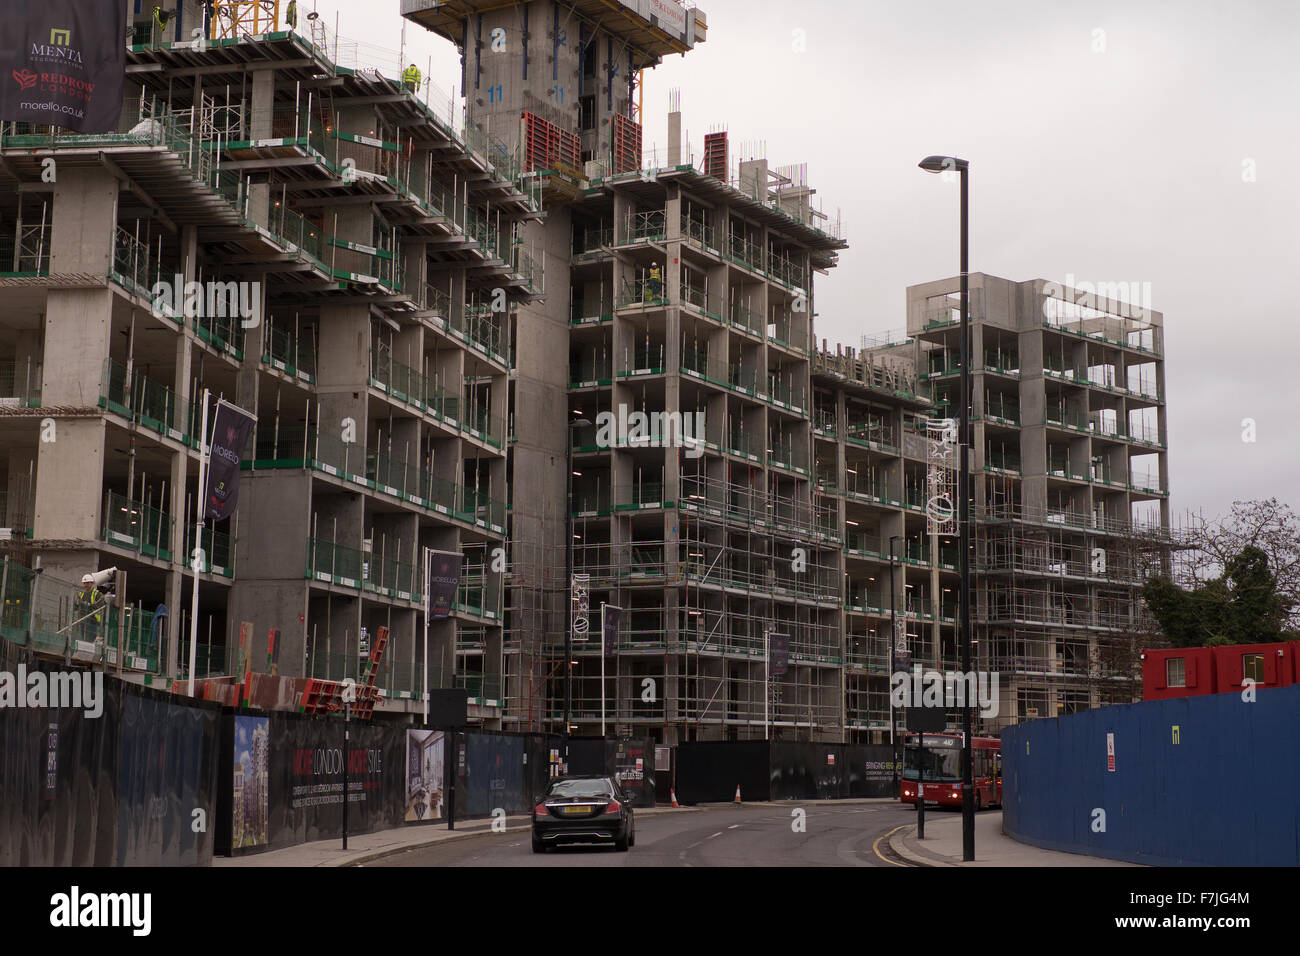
(942, 845)
(365, 847)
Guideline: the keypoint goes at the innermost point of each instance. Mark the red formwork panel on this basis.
(627, 145)
(715, 155)
(1198, 671)
(546, 145)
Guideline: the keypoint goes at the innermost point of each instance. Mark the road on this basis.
(834, 833)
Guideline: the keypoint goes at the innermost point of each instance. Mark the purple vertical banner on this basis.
(51, 761)
(613, 615)
(230, 431)
(62, 63)
(444, 580)
(779, 651)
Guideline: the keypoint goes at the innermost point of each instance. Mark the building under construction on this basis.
(368, 239)
(1070, 479)
(689, 293)
(515, 334)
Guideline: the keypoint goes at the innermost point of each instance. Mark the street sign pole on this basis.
(602, 668)
(920, 786)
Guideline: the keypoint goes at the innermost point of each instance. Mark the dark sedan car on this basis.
(583, 810)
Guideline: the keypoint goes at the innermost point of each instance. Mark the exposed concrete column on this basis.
(343, 359)
(249, 376)
(78, 329)
(260, 126)
(415, 270)
(753, 178)
(174, 586)
(343, 371)
(675, 138)
(274, 514)
(1033, 408)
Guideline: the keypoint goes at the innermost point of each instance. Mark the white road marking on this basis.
(734, 826)
(712, 835)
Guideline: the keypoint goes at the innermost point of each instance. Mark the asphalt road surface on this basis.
(834, 834)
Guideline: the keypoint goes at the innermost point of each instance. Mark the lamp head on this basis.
(939, 164)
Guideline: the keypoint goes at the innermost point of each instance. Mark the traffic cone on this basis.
(673, 793)
(737, 800)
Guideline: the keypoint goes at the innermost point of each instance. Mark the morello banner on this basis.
(444, 581)
(230, 431)
(610, 629)
(779, 654)
(63, 63)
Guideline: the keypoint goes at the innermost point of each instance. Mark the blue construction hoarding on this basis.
(1211, 780)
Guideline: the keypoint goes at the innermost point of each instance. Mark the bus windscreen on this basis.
(940, 761)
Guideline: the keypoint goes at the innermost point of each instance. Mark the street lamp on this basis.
(940, 164)
(568, 577)
(893, 660)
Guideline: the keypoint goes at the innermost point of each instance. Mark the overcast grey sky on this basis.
(1119, 155)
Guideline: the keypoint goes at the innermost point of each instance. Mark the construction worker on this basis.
(656, 281)
(161, 18)
(89, 599)
(291, 14)
(411, 78)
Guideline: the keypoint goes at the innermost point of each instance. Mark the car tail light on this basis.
(539, 810)
(614, 807)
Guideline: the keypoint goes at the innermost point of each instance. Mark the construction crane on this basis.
(237, 18)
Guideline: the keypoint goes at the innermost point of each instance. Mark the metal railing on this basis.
(644, 225)
(133, 395)
(137, 526)
(20, 383)
(290, 352)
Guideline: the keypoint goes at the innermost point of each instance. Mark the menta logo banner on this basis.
(63, 63)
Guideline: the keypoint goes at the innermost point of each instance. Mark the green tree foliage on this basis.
(1240, 606)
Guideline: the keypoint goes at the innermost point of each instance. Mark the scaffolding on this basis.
(1057, 606)
(533, 635)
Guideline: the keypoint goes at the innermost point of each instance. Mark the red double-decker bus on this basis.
(938, 767)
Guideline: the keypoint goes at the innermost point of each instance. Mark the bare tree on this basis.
(1267, 524)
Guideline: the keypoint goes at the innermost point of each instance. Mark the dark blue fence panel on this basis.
(1211, 780)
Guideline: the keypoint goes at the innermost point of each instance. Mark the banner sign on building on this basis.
(230, 431)
(940, 483)
(63, 63)
(902, 655)
(668, 14)
(581, 605)
(444, 580)
(779, 650)
(610, 624)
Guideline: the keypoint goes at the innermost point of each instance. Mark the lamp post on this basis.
(893, 657)
(940, 164)
(568, 577)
